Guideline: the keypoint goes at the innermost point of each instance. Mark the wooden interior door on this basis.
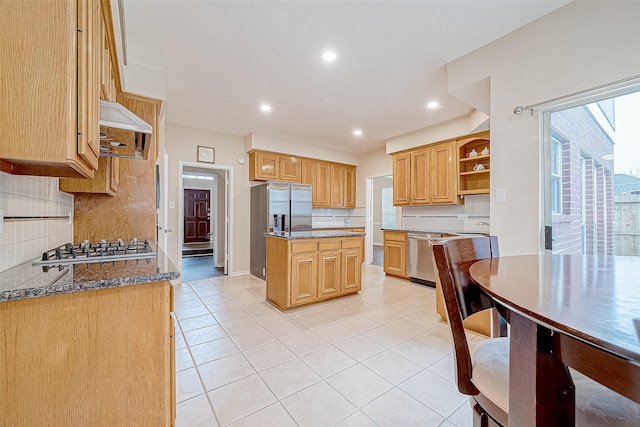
(197, 207)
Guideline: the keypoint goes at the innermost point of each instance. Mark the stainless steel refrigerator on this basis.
(276, 207)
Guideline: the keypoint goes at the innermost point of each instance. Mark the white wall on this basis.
(473, 122)
(255, 141)
(579, 46)
(181, 144)
(375, 162)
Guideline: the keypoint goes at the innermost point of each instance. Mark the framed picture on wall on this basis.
(206, 154)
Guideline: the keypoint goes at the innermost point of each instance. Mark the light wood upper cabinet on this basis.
(105, 180)
(108, 89)
(420, 176)
(343, 186)
(402, 179)
(264, 166)
(334, 184)
(49, 114)
(337, 186)
(443, 174)
(425, 175)
(289, 169)
(308, 176)
(323, 189)
(350, 187)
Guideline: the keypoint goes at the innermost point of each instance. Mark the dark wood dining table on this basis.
(565, 310)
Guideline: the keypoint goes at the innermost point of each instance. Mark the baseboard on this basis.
(239, 273)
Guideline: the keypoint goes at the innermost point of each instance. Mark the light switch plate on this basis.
(501, 195)
(172, 204)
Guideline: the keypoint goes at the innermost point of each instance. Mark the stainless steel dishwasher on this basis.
(420, 266)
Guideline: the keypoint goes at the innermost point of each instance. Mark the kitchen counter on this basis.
(448, 232)
(295, 235)
(27, 281)
(343, 227)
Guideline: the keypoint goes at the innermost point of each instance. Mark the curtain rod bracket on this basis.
(520, 109)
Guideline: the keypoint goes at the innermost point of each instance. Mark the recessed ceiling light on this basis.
(265, 107)
(329, 56)
(432, 104)
(357, 132)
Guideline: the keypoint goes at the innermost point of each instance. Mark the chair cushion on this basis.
(490, 361)
(596, 405)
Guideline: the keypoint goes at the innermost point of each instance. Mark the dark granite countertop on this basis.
(454, 232)
(295, 235)
(28, 281)
(406, 230)
(338, 228)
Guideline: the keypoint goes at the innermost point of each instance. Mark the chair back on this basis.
(462, 297)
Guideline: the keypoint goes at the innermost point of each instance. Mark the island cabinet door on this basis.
(329, 274)
(304, 278)
(351, 270)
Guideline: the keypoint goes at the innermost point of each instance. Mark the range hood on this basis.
(122, 133)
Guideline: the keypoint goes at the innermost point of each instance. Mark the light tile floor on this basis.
(378, 358)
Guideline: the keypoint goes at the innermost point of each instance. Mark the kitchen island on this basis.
(312, 266)
(88, 343)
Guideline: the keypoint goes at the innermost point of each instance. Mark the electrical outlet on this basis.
(463, 217)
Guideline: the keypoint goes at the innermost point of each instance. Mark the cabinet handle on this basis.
(168, 230)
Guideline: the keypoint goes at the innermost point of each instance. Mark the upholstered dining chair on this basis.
(482, 372)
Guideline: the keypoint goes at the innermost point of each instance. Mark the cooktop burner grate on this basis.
(103, 251)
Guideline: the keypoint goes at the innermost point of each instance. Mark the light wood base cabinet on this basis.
(395, 253)
(305, 271)
(103, 357)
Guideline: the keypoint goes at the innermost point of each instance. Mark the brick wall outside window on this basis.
(586, 142)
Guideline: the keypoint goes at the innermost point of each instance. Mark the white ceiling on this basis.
(224, 58)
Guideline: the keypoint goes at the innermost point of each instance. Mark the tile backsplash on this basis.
(476, 208)
(335, 217)
(35, 218)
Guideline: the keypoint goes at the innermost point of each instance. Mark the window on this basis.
(388, 210)
(556, 176)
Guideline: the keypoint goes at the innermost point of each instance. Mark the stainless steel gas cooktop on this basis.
(103, 251)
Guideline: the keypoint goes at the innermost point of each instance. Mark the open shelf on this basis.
(476, 158)
(474, 172)
(472, 181)
(468, 192)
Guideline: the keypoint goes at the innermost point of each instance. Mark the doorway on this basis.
(592, 176)
(380, 214)
(203, 236)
